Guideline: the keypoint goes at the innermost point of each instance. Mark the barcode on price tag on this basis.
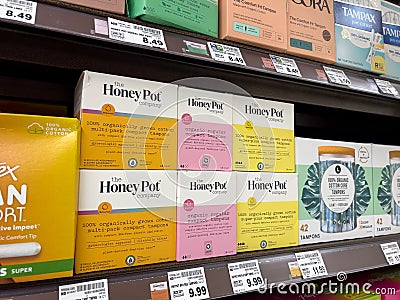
(18, 10)
(226, 53)
(386, 87)
(337, 76)
(96, 290)
(285, 65)
(245, 276)
(136, 34)
(391, 252)
(311, 264)
(188, 284)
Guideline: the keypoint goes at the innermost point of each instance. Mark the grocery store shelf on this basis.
(345, 256)
(68, 39)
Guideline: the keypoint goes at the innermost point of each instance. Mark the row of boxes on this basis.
(363, 35)
(136, 124)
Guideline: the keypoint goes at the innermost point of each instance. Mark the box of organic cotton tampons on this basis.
(125, 219)
(359, 35)
(386, 187)
(127, 123)
(263, 135)
(206, 214)
(266, 210)
(204, 130)
(335, 190)
(391, 37)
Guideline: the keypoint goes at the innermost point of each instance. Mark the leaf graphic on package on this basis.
(384, 190)
(363, 193)
(311, 192)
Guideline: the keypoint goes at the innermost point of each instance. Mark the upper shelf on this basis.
(73, 39)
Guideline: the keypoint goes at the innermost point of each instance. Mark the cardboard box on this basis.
(267, 211)
(38, 196)
(206, 215)
(199, 16)
(263, 135)
(311, 30)
(125, 218)
(114, 6)
(391, 38)
(261, 23)
(386, 161)
(335, 190)
(127, 123)
(359, 35)
(204, 130)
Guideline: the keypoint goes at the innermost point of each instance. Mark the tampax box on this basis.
(38, 196)
(204, 130)
(359, 35)
(263, 135)
(125, 218)
(311, 29)
(386, 187)
(391, 38)
(206, 214)
(261, 23)
(267, 209)
(127, 123)
(199, 16)
(335, 190)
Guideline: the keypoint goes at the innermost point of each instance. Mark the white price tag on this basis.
(245, 276)
(136, 34)
(337, 76)
(311, 264)
(97, 289)
(285, 65)
(386, 87)
(188, 284)
(18, 10)
(392, 253)
(226, 53)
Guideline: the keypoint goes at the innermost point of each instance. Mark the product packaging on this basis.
(114, 6)
(391, 38)
(38, 196)
(127, 123)
(335, 190)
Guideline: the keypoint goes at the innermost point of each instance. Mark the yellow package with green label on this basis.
(195, 15)
(38, 197)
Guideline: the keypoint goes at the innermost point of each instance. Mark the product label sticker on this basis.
(97, 289)
(392, 253)
(337, 76)
(159, 291)
(285, 65)
(136, 34)
(386, 87)
(100, 26)
(18, 10)
(294, 269)
(188, 284)
(245, 276)
(224, 53)
(311, 264)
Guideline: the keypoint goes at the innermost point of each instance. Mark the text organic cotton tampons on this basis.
(335, 190)
(206, 214)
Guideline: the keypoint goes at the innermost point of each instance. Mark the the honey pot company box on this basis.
(258, 22)
(311, 29)
(127, 123)
(266, 210)
(38, 196)
(335, 190)
(125, 218)
(263, 135)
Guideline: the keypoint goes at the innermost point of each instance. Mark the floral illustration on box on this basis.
(384, 190)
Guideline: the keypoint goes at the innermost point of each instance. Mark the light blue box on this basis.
(391, 37)
(359, 35)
